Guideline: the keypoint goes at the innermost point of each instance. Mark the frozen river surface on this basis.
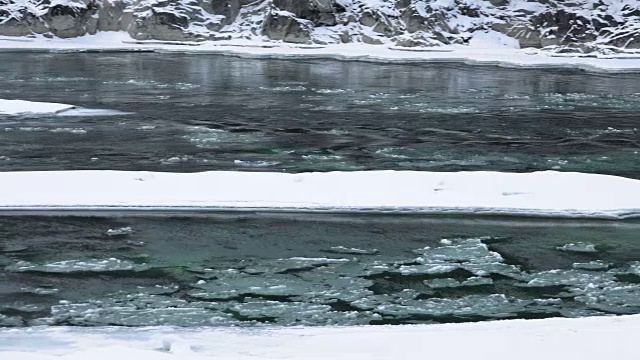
(254, 269)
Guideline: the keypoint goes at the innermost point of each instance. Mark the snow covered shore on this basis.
(480, 52)
(547, 193)
(582, 338)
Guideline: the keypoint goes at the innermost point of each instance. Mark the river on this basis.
(189, 113)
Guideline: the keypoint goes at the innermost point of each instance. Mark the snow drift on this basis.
(583, 338)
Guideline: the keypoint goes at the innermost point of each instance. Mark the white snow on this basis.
(17, 107)
(547, 193)
(592, 338)
(488, 50)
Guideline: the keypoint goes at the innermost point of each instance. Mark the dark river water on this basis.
(202, 112)
(188, 113)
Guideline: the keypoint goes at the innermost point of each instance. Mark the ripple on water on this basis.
(284, 88)
(626, 102)
(72, 266)
(256, 163)
(210, 138)
(153, 84)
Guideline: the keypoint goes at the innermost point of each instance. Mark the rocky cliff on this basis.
(555, 25)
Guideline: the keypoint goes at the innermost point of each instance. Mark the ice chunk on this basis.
(120, 231)
(453, 283)
(579, 247)
(596, 265)
(352, 251)
(20, 107)
(490, 306)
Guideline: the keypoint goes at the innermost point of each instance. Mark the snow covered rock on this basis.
(283, 25)
(61, 18)
(173, 20)
(582, 26)
(114, 15)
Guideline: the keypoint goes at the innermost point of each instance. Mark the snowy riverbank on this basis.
(582, 338)
(483, 51)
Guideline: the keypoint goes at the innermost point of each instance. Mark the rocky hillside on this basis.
(556, 25)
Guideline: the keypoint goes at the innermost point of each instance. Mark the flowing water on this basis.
(187, 113)
(200, 112)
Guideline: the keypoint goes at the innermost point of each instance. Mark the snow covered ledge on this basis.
(547, 193)
(592, 338)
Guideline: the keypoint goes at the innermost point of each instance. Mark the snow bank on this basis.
(17, 107)
(583, 338)
(486, 49)
(547, 193)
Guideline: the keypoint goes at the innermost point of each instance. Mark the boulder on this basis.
(71, 20)
(24, 25)
(160, 25)
(525, 34)
(320, 12)
(114, 15)
(284, 26)
(227, 8)
(62, 20)
(173, 21)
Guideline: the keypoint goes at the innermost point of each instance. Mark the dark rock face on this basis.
(554, 25)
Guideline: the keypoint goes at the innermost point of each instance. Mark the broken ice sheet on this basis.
(373, 301)
(576, 279)
(596, 265)
(239, 284)
(453, 283)
(468, 250)
(298, 313)
(470, 254)
(301, 263)
(41, 290)
(618, 299)
(325, 287)
(22, 307)
(120, 231)
(10, 321)
(578, 247)
(489, 306)
(88, 314)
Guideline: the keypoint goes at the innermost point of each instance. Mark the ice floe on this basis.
(20, 107)
(23, 107)
(546, 193)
